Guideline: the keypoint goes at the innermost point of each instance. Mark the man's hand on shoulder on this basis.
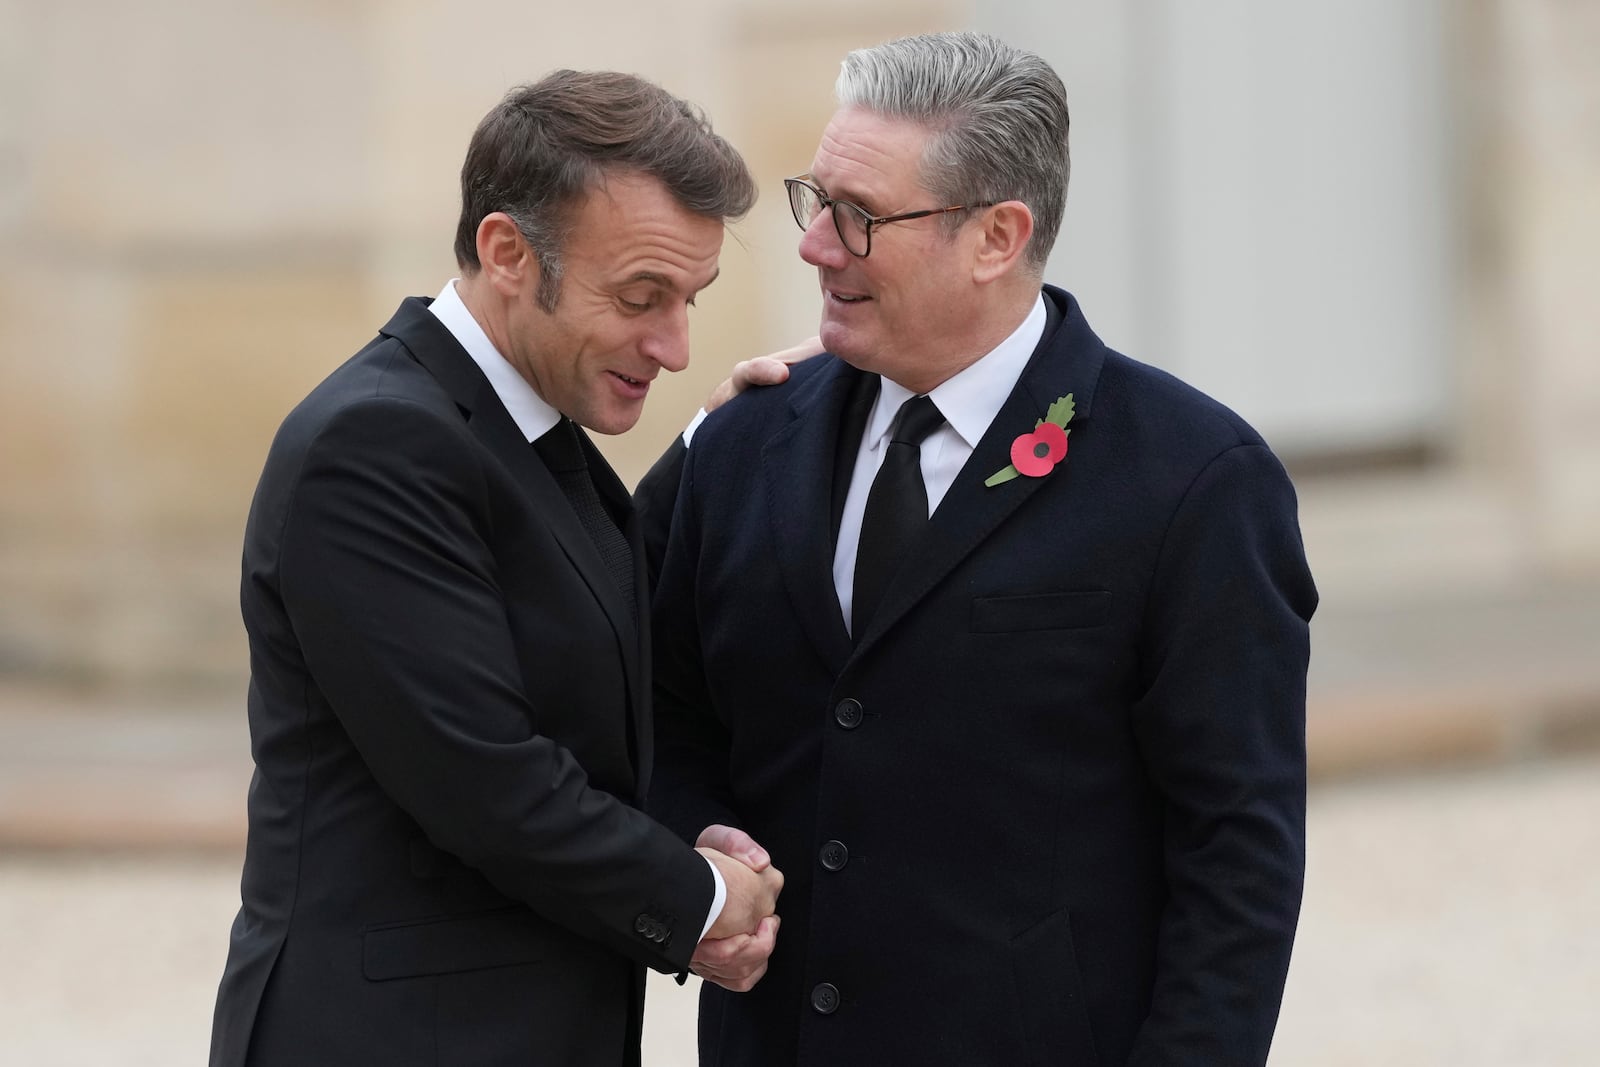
(771, 369)
(735, 950)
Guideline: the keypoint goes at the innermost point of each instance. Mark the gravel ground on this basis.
(1448, 920)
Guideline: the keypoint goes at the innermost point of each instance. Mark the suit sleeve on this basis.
(1221, 725)
(391, 588)
(653, 502)
(690, 787)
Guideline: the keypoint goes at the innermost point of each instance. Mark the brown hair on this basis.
(540, 150)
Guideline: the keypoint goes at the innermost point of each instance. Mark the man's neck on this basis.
(997, 320)
(482, 302)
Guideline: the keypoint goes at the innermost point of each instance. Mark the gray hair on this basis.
(997, 116)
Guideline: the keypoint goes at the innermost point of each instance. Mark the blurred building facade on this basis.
(1369, 226)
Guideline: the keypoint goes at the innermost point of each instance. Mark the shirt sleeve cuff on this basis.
(694, 424)
(720, 897)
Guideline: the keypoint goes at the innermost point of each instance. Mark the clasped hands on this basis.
(734, 952)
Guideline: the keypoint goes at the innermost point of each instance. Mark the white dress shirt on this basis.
(969, 402)
(534, 417)
(527, 408)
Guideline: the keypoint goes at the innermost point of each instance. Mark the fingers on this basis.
(738, 962)
(723, 393)
(763, 370)
(734, 842)
(772, 369)
(752, 896)
(811, 346)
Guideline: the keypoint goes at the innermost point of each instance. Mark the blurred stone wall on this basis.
(206, 205)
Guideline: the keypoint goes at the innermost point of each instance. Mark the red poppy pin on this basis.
(1036, 454)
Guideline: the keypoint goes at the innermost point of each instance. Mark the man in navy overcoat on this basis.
(1033, 761)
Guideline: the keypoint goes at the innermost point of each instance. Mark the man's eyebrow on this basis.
(664, 282)
(855, 200)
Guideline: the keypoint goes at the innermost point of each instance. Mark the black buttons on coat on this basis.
(825, 999)
(833, 855)
(652, 929)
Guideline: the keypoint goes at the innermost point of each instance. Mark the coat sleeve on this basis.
(391, 588)
(690, 787)
(653, 502)
(1221, 727)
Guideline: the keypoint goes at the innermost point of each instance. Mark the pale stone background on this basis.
(1370, 225)
(205, 206)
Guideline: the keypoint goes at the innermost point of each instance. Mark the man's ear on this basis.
(1006, 228)
(507, 263)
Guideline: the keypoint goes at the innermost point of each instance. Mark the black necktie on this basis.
(897, 508)
(563, 455)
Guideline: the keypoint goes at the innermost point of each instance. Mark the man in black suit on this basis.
(449, 700)
(1022, 722)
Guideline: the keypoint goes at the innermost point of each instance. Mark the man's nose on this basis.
(668, 345)
(820, 245)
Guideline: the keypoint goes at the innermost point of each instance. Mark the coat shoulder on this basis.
(376, 383)
(757, 413)
(1164, 408)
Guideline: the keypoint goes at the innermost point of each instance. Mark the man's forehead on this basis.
(861, 142)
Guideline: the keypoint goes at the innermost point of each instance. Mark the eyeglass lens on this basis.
(848, 220)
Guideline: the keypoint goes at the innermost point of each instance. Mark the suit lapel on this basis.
(616, 497)
(438, 351)
(1067, 360)
(798, 471)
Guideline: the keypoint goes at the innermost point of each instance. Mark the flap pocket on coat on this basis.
(1041, 611)
(444, 946)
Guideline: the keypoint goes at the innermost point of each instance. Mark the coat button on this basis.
(641, 925)
(834, 855)
(825, 999)
(848, 713)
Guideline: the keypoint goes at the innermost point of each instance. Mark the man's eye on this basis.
(631, 306)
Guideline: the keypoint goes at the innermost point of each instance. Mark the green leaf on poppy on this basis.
(1060, 412)
(1001, 477)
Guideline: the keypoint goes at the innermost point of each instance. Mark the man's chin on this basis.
(611, 421)
(846, 344)
(613, 426)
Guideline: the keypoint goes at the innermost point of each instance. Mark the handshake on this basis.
(734, 952)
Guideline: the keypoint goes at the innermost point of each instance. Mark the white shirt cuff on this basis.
(719, 898)
(694, 425)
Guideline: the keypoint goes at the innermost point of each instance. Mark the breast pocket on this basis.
(502, 938)
(1077, 610)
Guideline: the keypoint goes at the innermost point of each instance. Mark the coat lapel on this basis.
(1067, 360)
(438, 351)
(798, 471)
(616, 497)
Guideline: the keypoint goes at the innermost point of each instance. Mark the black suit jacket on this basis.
(1049, 807)
(450, 720)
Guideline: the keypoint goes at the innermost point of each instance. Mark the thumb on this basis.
(731, 841)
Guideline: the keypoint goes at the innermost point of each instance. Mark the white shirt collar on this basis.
(533, 416)
(970, 400)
